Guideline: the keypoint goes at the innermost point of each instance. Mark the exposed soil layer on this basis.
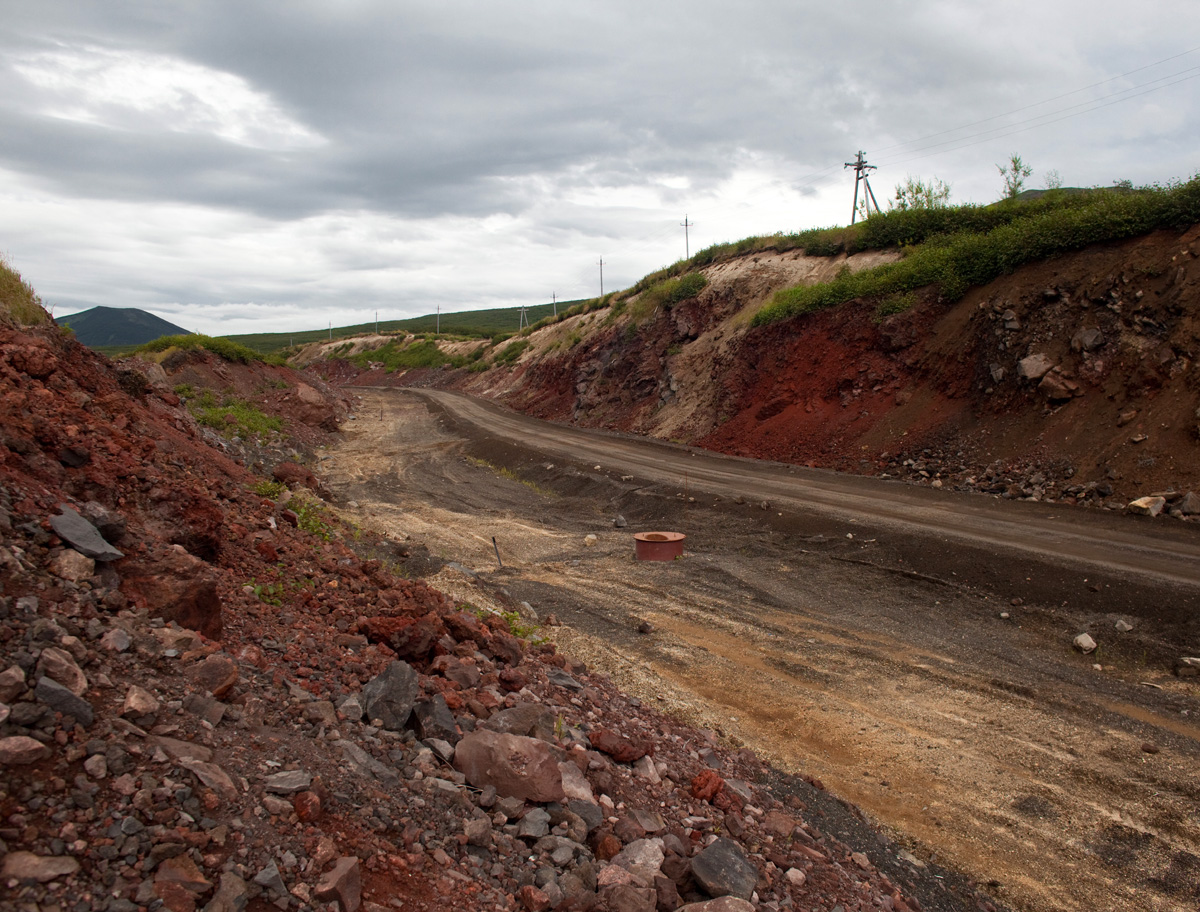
(932, 686)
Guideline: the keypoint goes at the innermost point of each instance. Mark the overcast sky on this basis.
(239, 166)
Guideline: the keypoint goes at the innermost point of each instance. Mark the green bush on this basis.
(511, 352)
(223, 348)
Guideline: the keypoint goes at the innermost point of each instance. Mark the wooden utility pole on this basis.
(437, 327)
(861, 168)
(685, 224)
(524, 319)
(554, 301)
(601, 276)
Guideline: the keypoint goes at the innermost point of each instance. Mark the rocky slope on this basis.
(1071, 380)
(210, 700)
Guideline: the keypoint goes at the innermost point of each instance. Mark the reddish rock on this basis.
(619, 748)
(18, 750)
(608, 847)
(532, 899)
(217, 674)
(410, 638)
(307, 806)
(178, 588)
(513, 680)
(295, 475)
(707, 785)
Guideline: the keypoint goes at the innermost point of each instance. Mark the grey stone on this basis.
(1188, 667)
(1034, 367)
(288, 782)
(722, 870)
(620, 522)
(60, 699)
(531, 720)
(534, 825)
(443, 749)
(1087, 339)
(390, 695)
(26, 866)
(343, 883)
(588, 811)
(82, 535)
(1084, 643)
(269, 879)
(366, 765)
(351, 708)
(432, 719)
(1190, 504)
(116, 640)
(231, 895)
(562, 679)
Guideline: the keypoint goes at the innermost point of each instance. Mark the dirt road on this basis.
(910, 648)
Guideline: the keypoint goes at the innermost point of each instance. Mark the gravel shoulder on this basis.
(851, 637)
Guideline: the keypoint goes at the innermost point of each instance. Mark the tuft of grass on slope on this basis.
(19, 303)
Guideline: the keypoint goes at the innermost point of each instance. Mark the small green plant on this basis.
(1015, 173)
(270, 489)
(311, 518)
(511, 352)
(268, 593)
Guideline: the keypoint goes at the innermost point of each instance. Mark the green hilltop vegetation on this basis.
(471, 324)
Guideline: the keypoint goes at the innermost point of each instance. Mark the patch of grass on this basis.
(405, 355)
(511, 352)
(19, 303)
(228, 415)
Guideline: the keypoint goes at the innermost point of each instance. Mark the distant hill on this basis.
(120, 326)
(476, 324)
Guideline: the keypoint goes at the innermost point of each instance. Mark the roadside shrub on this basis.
(511, 352)
(222, 348)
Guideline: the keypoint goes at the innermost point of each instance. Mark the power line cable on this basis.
(1040, 103)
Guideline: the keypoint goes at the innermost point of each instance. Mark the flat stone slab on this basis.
(82, 535)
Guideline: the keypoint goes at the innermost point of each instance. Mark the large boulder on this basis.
(390, 695)
(722, 870)
(516, 766)
(177, 587)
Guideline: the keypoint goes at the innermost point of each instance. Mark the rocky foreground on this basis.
(208, 700)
